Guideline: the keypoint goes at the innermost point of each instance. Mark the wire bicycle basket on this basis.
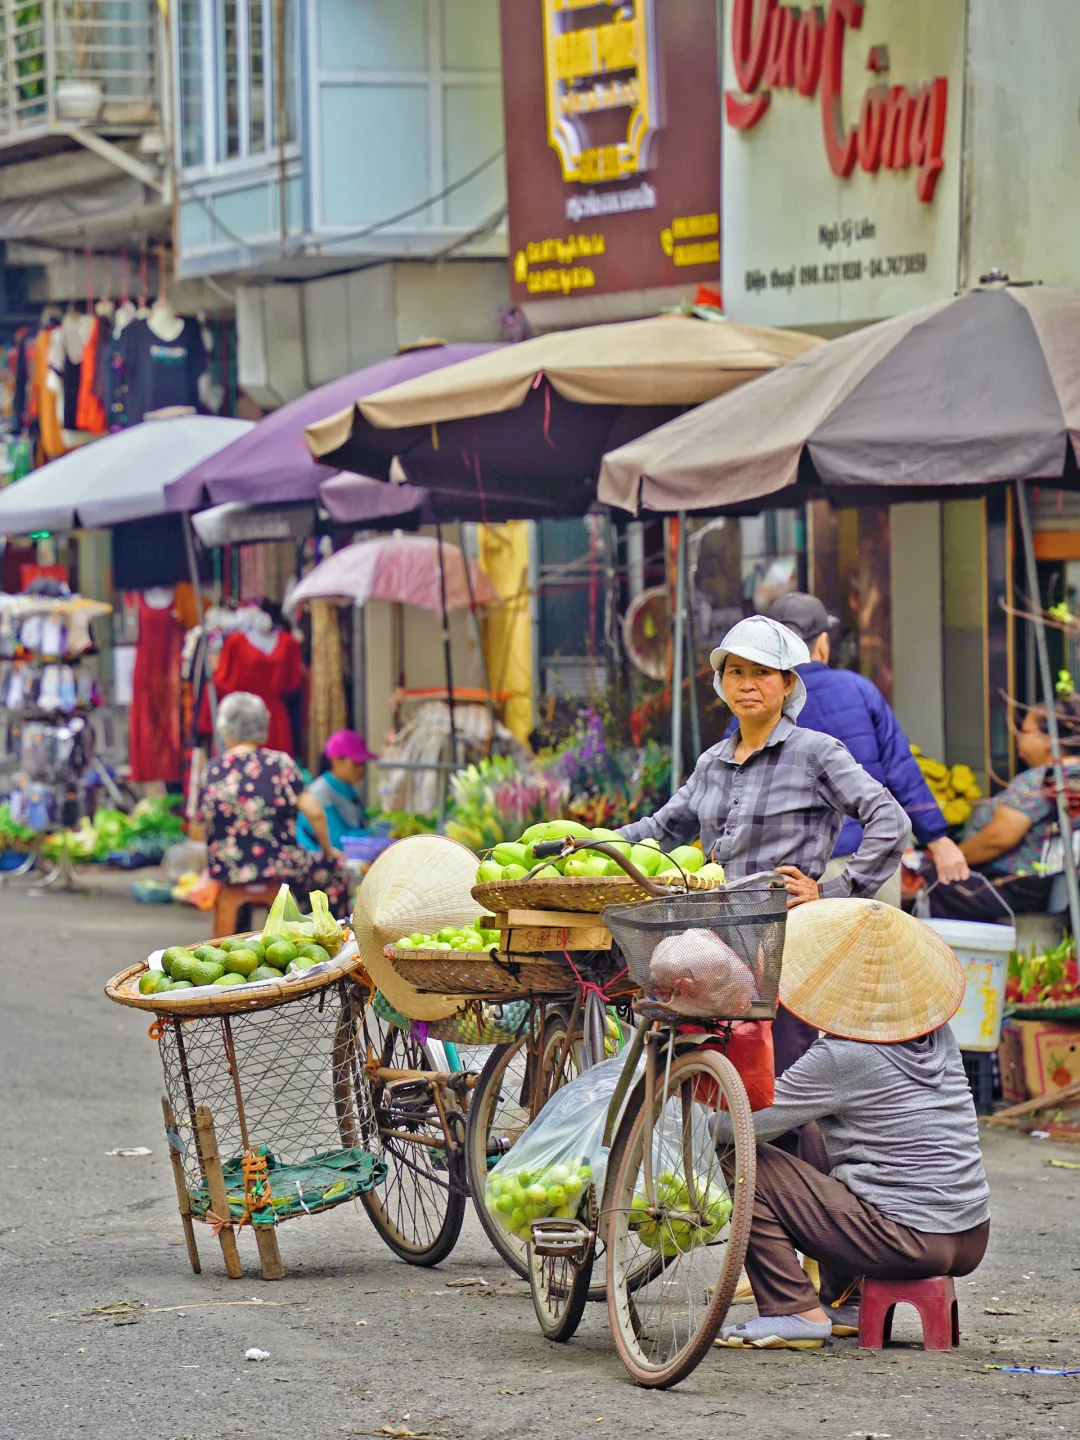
(709, 955)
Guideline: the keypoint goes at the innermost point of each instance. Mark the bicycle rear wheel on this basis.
(419, 1208)
(499, 1113)
(665, 1319)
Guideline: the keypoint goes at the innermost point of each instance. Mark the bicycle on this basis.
(677, 1203)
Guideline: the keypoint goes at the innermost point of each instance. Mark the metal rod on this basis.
(691, 642)
(448, 658)
(193, 573)
(359, 677)
(1064, 821)
(483, 653)
(680, 653)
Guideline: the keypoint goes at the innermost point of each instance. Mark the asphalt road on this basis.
(361, 1344)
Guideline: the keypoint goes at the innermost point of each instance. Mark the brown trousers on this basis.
(798, 1205)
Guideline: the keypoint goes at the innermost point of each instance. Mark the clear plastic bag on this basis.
(286, 921)
(549, 1171)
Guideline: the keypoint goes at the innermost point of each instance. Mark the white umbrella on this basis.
(119, 477)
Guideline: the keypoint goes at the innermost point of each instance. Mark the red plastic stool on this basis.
(933, 1298)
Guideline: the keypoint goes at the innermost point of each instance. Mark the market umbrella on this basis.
(119, 477)
(974, 390)
(356, 500)
(402, 568)
(980, 388)
(272, 463)
(520, 432)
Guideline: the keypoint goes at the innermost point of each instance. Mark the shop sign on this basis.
(856, 216)
(613, 145)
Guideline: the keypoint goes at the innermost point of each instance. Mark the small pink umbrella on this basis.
(402, 568)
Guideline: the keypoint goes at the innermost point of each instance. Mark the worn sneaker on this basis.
(775, 1332)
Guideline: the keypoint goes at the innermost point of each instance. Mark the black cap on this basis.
(805, 614)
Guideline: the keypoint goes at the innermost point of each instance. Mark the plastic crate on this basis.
(981, 1069)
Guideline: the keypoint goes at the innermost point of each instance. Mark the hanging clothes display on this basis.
(162, 357)
(267, 664)
(43, 405)
(155, 747)
(90, 413)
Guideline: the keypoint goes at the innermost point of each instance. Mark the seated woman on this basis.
(250, 805)
(337, 789)
(1006, 835)
(889, 1182)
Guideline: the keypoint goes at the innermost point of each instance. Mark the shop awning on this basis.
(272, 463)
(969, 391)
(520, 431)
(119, 477)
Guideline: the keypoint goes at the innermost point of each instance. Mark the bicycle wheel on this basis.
(560, 1285)
(420, 1206)
(699, 1223)
(499, 1111)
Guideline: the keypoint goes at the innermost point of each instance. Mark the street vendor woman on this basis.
(889, 1181)
(774, 796)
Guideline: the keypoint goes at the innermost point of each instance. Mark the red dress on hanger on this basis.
(243, 666)
(154, 732)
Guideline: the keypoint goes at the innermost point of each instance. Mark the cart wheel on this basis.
(664, 1326)
(499, 1111)
(560, 1284)
(419, 1208)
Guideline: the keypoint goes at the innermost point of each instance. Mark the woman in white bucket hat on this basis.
(773, 796)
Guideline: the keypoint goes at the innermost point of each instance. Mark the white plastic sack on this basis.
(549, 1170)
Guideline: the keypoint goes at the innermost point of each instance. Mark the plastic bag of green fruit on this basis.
(548, 1172)
(672, 1223)
(285, 922)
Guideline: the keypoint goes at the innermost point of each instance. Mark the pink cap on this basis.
(348, 745)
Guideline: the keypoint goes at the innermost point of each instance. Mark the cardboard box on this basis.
(1051, 1054)
(1011, 1063)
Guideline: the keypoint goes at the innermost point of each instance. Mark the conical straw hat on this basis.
(867, 971)
(421, 883)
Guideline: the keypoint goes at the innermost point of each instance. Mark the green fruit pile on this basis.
(514, 861)
(237, 961)
(675, 1232)
(452, 937)
(517, 1198)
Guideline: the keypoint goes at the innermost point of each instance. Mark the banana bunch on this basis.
(953, 788)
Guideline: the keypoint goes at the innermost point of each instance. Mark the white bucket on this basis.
(983, 950)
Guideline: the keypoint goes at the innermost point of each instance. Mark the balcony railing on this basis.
(82, 61)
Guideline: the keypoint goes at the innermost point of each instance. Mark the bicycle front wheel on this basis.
(693, 1227)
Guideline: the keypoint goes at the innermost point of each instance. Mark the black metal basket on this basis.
(712, 955)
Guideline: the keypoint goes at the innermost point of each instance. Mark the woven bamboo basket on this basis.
(579, 892)
(484, 973)
(235, 999)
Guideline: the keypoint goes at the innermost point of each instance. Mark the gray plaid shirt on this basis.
(785, 805)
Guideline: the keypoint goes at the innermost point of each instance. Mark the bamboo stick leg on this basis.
(183, 1199)
(215, 1184)
(269, 1254)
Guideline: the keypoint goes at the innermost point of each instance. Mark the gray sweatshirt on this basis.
(898, 1123)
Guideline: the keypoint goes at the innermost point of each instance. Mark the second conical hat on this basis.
(421, 883)
(866, 971)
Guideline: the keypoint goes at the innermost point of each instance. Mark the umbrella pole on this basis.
(1064, 822)
(680, 653)
(483, 653)
(193, 571)
(359, 677)
(691, 641)
(446, 645)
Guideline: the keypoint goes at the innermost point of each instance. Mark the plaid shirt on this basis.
(784, 805)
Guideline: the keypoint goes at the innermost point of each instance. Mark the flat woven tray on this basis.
(233, 999)
(475, 972)
(1070, 1010)
(581, 892)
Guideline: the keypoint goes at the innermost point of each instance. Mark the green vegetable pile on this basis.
(514, 860)
(237, 961)
(673, 1226)
(13, 836)
(518, 1198)
(452, 937)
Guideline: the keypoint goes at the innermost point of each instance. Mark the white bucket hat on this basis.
(765, 642)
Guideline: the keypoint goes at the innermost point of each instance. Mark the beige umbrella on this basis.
(667, 360)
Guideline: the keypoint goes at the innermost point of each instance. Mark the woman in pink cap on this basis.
(337, 789)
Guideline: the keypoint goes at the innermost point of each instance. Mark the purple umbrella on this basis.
(272, 463)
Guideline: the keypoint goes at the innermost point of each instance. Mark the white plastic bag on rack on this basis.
(679, 1228)
(549, 1171)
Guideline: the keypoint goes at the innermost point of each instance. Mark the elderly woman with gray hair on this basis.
(250, 805)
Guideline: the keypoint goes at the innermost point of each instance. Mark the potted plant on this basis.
(77, 96)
